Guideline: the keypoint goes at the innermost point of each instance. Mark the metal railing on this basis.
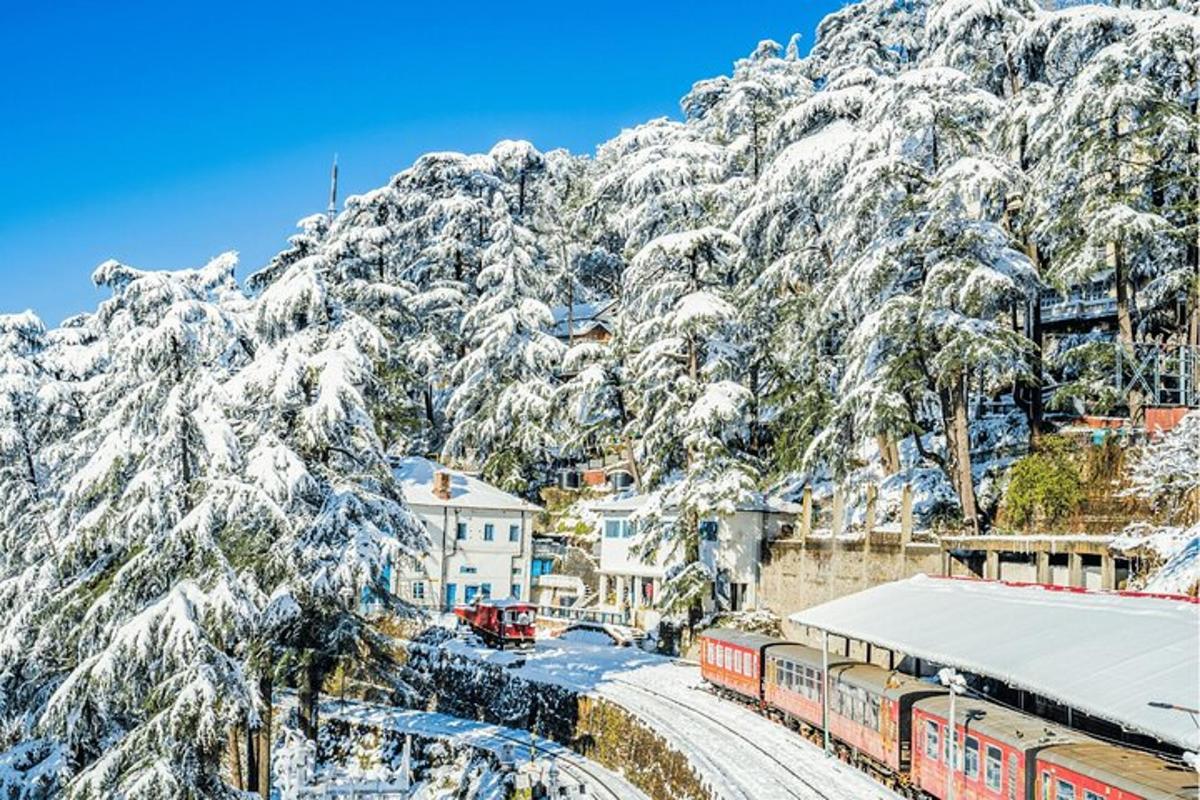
(584, 615)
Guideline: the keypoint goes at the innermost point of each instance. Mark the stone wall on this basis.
(801, 573)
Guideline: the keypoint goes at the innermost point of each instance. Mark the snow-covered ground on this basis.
(740, 754)
(504, 742)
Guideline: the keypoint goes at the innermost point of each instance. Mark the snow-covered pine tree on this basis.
(691, 418)
(500, 408)
(309, 398)
(138, 642)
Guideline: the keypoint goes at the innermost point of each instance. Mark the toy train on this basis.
(895, 727)
(500, 623)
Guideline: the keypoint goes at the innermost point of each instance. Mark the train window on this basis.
(992, 767)
(971, 758)
(708, 650)
(748, 663)
(1090, 795)
(737, 660)
(1064, 790)
(721, 656)
(931, 740)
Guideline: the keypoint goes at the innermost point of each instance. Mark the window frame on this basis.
(972, 774)
(987, 764)
(489, 532)
(1059, 783)
(460, 532)
(933, 740)
(514, 533)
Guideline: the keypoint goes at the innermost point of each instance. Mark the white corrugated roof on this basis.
(415, 475)
(1107, 654)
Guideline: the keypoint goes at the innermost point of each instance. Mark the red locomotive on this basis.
(500, 623)
(895, 727)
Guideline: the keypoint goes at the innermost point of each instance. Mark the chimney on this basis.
(441, 484)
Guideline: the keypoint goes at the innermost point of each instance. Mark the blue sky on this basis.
(162, 135)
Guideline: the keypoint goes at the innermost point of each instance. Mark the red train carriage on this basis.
(1098, 771)
(501, 623)
(794, 681)
(732, 660)
(995, 748)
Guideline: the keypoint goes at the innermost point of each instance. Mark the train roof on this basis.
(878, 679)
(1129, 770)
(997, 722)
(754, 641)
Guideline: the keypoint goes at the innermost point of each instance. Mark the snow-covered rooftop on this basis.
(633, 502)
(1107, 654)
(416, 478)
(584, 317)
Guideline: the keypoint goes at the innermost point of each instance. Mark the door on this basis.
(451, 595)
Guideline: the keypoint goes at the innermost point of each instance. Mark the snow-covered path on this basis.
(740, 754)
(604, 784)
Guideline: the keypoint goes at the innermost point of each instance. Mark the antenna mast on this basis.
(333, 190)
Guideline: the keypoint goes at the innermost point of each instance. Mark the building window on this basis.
(418, 590)
(992, 767)
(612, 528)
(489, 532)
(466, 570)
(460, 532)
(971, 758)
(516, 590)
(931, 740)
(708, 530)
(485, 589)
(1064, 790)
(516, 571)
(514, 533)
(469, 594)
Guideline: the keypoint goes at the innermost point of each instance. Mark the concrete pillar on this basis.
(1108, 572)
(906, 515)
(656, 583)
(1075, 570)
(947, 562)
(602, 590)
(869, 522)
(806, 514)
(838, 523)
(991, 565)
(637, 591)
(1043, 566)
(620, 591)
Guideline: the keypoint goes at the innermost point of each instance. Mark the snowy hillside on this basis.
(823, 272)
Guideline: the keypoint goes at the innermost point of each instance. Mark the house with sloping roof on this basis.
(731, 547)
(593, 321)
(480, 536)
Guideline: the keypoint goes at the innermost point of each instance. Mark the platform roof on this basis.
(1108, 654)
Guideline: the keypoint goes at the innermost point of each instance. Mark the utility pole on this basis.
(957, 685)
(332, 211)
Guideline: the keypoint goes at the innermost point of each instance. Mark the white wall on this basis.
(738, 546)
(501, 563)
(618, 556)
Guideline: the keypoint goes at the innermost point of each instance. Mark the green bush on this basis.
(1045, 484)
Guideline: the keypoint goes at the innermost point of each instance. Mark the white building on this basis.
(480, 537)
(731, 546)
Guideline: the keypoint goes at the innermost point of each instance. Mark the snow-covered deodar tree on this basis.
(691, 418)
(500, 410)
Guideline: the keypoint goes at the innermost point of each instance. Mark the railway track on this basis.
(578, 764)
(815, 792)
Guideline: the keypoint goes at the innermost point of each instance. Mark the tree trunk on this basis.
(961, 450)
(252, 743)
(889, 453)
(1125, 334)
(309, 695)
(235, 760)
(264, 740)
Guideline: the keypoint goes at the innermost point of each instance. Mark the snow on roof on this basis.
(633, 502)
(1107, 654)
(585, 317)
(416, 478)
